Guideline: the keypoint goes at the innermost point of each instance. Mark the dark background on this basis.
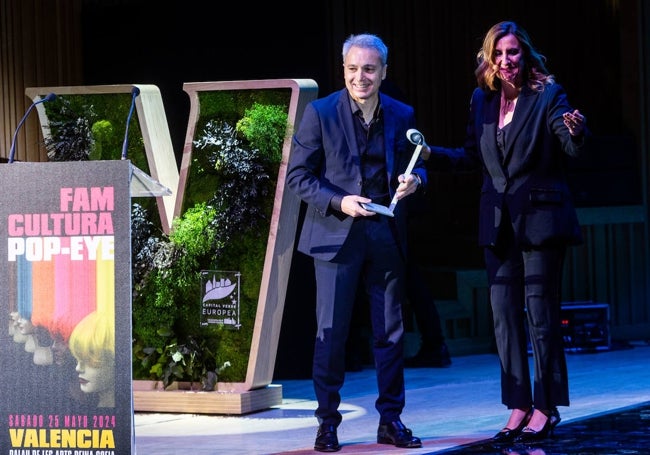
(591, 45)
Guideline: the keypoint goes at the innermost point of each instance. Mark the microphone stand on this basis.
(12, 149)
(125, 145)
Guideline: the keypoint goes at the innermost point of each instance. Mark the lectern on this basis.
(66, 299)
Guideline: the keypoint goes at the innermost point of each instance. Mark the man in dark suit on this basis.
(351, 149)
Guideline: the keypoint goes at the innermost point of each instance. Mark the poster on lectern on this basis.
(65, 362)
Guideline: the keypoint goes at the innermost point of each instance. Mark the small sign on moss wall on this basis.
(220, 301)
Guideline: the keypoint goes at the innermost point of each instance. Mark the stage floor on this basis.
(453, 410)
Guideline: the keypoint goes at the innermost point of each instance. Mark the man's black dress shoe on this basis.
(397, 434)
(326, 439)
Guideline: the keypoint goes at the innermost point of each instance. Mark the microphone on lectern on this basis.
(12, 150)
(125, 145)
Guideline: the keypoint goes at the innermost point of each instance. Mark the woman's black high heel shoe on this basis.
(510, 434)
(554, 419)
(529, 435)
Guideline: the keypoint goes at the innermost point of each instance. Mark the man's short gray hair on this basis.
(366, 41)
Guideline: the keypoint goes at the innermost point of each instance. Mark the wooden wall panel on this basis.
(41, 46)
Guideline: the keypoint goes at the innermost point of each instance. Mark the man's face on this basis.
(363, 73)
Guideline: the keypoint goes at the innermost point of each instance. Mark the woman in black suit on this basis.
(521, 129)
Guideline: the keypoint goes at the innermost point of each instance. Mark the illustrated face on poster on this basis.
(92, 343)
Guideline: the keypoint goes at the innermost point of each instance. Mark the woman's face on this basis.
(508, 57)
(96, 377)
